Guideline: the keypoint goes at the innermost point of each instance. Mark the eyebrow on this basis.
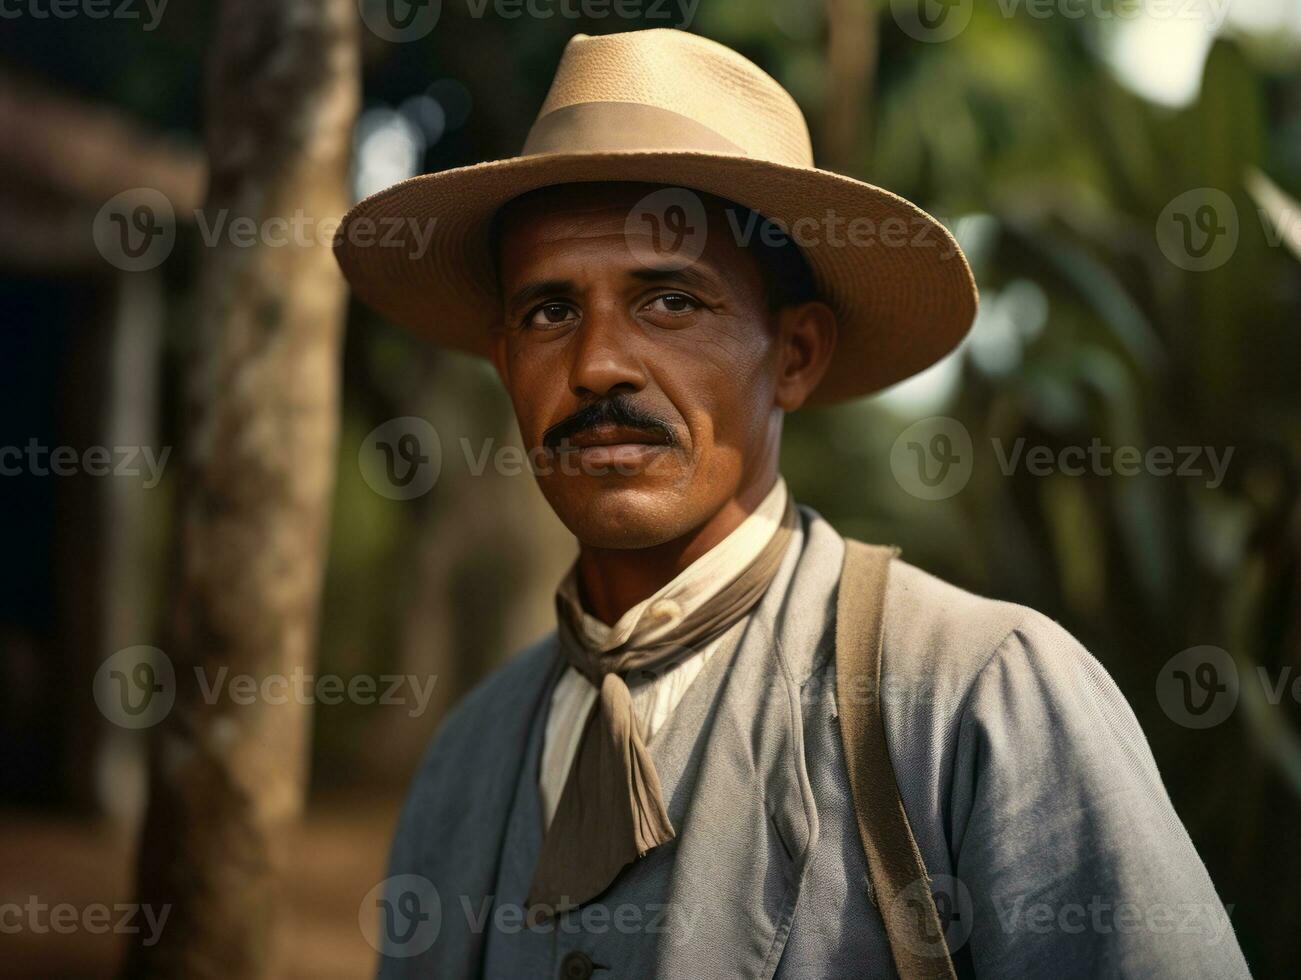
(552, 287)
(537, 290)
(686, 276)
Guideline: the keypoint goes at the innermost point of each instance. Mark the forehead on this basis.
(582, 220)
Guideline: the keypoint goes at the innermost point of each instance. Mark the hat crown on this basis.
(667, 89)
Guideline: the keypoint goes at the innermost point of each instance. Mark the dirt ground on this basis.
(341, 856)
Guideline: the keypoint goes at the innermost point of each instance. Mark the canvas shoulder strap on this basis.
(899, 880)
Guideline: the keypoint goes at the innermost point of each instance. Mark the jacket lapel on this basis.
(744, 843)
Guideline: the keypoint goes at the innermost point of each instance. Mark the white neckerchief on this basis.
(653, 700)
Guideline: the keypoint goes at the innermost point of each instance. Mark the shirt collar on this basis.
(695, 585)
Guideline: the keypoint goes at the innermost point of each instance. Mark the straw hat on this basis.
(668, 107)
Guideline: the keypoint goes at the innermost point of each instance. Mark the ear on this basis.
(806, 338)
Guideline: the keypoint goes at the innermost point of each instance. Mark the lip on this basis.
(615, 436)
(605, 449)
(624, 457)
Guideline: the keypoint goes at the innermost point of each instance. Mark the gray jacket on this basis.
(1038, 809)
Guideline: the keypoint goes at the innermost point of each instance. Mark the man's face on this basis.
(646, 393)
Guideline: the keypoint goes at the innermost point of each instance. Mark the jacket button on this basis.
(576, 966)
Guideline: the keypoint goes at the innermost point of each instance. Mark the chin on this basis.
(616, 514)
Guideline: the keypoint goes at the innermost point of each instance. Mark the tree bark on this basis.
(227, 779)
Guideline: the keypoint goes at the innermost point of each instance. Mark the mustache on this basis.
(619, 410)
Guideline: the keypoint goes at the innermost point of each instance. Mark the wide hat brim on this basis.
(904, 295)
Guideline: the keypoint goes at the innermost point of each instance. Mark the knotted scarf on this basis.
(611, 811)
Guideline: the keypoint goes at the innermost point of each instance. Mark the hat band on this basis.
(611, 127)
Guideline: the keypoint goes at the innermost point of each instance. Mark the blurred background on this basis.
(1123, 176)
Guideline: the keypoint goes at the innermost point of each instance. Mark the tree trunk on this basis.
(227, 778)
(852, 41)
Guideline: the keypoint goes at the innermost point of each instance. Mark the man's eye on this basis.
(673, 303)
(549, 316)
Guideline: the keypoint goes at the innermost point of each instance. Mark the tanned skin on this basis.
(695, 353)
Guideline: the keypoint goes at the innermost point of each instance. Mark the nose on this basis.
(604, 356)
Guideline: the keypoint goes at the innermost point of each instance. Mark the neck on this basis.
(614, 580)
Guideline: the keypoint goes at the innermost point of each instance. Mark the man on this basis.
(671, 783)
